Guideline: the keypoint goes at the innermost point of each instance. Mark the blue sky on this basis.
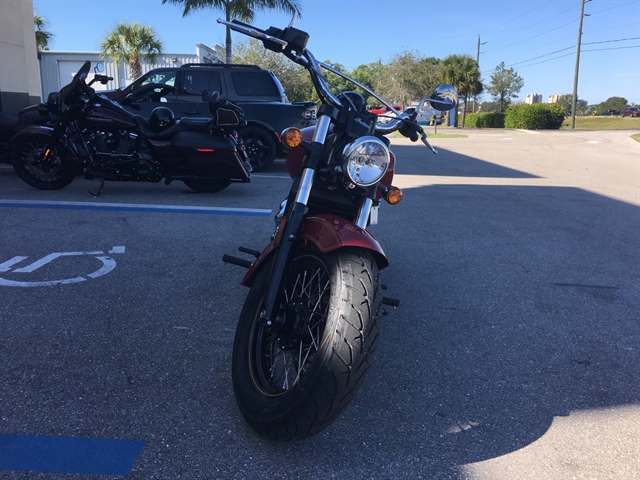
(535, 37)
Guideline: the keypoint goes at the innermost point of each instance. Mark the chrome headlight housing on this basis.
(366, 160)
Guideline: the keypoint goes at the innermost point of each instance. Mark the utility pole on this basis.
(478, 62)
(574, 98)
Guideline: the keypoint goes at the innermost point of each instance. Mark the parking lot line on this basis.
(132, 207)
(89, 456)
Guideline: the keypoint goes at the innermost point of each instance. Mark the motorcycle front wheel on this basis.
(51, 174)
(293, 380)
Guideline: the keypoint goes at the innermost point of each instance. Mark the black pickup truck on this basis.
(258, 92)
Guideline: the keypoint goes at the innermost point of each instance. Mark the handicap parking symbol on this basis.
(107, 265)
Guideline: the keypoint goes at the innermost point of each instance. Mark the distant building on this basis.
(533, 98)
(19, 85)
(58, 68)
(555, 98)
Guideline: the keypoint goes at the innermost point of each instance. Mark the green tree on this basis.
(582, 106)
(368, 75)
(463, 73)
(615, 103)
(130, 42)
(505, 85)
(295, 80)
(43, 38)
(407, 77)
(243, 10)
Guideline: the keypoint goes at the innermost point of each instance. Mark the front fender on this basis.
(328, 233)
(40, 133)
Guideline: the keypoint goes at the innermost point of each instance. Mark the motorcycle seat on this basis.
(196, 124)
(149, 132)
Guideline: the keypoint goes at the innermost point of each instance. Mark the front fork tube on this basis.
(56, 135)
(290, 231)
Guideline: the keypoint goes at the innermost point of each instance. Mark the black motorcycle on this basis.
(97, 138)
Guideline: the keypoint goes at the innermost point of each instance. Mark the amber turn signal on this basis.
(292, 137)
(393, 196)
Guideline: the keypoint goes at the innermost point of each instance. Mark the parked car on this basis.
(258, 92)
(630, 111)
(385, 112)
(381, 110)
(608, 113)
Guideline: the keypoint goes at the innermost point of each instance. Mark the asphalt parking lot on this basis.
(515, 352)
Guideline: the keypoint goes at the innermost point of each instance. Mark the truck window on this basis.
(195, 81)
(254, 84)
(164, 78)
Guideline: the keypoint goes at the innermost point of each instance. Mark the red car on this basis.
(631, 111)
(383, 109)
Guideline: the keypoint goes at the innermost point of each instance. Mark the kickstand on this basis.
(96, 195)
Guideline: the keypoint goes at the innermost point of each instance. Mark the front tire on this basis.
(208, 186)
(294, 381)
(54, 173)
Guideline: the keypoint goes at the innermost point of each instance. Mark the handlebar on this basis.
(296, 50)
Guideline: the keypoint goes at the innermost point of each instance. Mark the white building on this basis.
(18, 64)
(533, 98)
(58, 68)
(555, 98)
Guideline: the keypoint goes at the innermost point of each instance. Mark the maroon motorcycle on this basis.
(96, 137)
(310, 323)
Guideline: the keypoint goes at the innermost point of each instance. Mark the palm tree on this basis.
(243, 10)
(130, 42)
(463, 73)
(42, 36)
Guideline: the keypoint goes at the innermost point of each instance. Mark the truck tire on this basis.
(260, 146)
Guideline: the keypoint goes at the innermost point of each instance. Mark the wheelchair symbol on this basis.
(108, 264)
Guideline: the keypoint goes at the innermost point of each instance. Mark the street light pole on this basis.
(574, 97)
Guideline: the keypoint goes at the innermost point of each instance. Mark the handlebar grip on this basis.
(252, 31)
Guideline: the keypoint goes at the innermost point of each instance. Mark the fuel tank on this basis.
(107, 116)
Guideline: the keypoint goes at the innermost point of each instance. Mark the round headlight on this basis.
(366, 160)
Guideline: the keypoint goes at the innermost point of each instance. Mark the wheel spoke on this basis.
(287, 356)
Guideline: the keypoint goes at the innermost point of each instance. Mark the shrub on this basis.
(534, 117)
(484, 120)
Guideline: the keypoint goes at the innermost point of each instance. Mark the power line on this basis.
(568, 48)
(613, 48)
(609, 41)
(561, 56)
(617, 6)
(535, 24)
(520, 16)
(541, 56)
(508, 21)
(535, 36)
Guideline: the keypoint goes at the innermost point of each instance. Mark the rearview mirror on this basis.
(444, 98)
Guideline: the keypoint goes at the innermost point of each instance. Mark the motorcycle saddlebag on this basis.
(209, 155)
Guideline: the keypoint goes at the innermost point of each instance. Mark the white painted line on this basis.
(108, 264)
(530, 132)
(257, 175)
(142, 206)
(6, 266)
(49, 258)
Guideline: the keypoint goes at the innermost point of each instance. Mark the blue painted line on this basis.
(89, 456)
(123, 207)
